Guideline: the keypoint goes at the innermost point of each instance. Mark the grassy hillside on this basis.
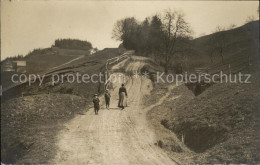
(90, 65)
(239, 46)
(42, 60)
(31, 122)
(221, 125)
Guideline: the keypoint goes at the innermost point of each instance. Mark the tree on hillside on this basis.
(143, 36)
(217, 43)
(232, 26)
(250, 19)
(72, 44)
(211, 48)
(126, 30)
(155, 35)
(176, 30)
(163, 37)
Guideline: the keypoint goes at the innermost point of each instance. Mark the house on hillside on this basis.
(20, 66)
(8, 66)
(14, 66)
(92, 51)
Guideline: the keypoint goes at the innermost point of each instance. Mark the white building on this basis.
(20, 66)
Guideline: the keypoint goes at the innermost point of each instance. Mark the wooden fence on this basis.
(113, 61)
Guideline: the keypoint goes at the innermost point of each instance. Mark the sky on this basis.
(26, 25)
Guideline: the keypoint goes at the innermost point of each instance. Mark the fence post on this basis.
(182, 138)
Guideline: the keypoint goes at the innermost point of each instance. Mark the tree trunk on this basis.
(166, 64)
(221, 54)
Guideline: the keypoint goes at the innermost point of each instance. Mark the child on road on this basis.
(96, 103)
(107, 98)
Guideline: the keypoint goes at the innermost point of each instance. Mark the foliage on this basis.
(72, 44)
(14, 58)
(164, 36)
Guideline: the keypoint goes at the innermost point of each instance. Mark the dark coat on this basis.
(107, 95)
(122, 102)
(96, 103)
(122, 89)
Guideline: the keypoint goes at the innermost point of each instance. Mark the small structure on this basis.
(20, 66)
(8, 66)
(92, 51)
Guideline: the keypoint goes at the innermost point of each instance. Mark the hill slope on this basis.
(239, 47)
(30, 123)
(221, 125)
(41, 60)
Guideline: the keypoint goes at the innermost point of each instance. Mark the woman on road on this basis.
(122, 97)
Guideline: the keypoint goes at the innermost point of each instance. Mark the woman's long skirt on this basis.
(122, 100)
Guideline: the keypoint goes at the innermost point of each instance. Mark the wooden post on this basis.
(182, 138)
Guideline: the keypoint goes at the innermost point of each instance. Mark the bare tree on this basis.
(232, 26)
(211, 49)
(175, 29)
(166, 36)
(250, 19)
(217, 43)
(219, 29)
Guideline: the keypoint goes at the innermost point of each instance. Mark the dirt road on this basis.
(114, 136)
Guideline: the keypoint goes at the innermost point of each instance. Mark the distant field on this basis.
(54, 57)
(70, 52)
(42, 60)
(43, 63)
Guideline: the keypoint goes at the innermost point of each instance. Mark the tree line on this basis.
(72, 44)
(164, 35)
(61, 43)
(167, 36)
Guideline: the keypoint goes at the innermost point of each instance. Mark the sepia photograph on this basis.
(130, 82)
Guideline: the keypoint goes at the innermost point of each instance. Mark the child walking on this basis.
(96, 104)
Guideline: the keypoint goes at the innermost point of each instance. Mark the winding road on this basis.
(113, 136)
